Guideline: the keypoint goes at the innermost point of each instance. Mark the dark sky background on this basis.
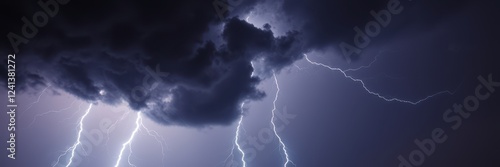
(207, 60)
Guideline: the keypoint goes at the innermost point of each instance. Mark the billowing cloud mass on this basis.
(180, 64)
(153, 56)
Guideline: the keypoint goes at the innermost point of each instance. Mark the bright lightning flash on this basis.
(138, 123)
(128, 143)
(283, 146)
(78, 142)
(236, 139)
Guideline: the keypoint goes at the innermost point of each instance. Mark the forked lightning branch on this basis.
(11, 106)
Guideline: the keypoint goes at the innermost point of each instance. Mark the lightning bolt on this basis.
(38, 99)
(300, 69)
(237, 137)
(230, 155)
(74, 113)
(51, 111)
(236, 140)
(237, 134)
(60, 156)
(128, 143)
(371, 92)
(158, 138)
(282, 144)
(77, 143)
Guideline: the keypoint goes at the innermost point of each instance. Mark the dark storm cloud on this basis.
(152, 55)
(328, 23)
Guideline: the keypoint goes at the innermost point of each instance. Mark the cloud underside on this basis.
(153, 56)
(178, 62)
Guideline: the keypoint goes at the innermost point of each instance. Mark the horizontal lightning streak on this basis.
(371, 92)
